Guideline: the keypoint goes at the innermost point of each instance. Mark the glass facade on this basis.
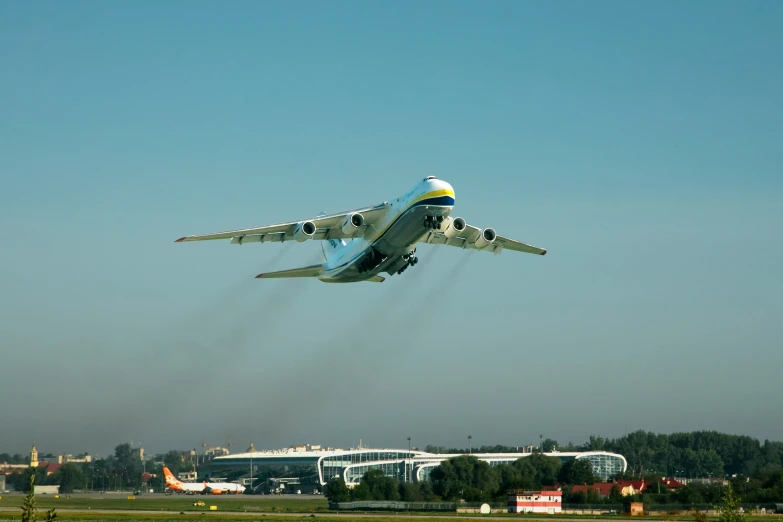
(351, 465)
(332, 466)
(605, 465)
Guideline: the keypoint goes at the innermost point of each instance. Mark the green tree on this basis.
(21, 481)
(512, 478)
(69, 477)
(361, 492)
(173, 461)
(548, 445)
(542, 470)
(729, 508)
(615, 495)
(465, 477)
(124, 454)
(337, 491)
(409, 492)
(380, 486)
(577, 471)
(29, 511)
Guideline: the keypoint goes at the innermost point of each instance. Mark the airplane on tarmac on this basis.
(359, 245)
(203, 488)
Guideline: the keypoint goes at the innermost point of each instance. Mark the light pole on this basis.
(251, 471)
(470, 446)
(406, 467)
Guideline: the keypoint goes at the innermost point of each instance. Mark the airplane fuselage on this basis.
(388, 244)
(216, 488)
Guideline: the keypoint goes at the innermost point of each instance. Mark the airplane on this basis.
(359, 245)
(203, 488)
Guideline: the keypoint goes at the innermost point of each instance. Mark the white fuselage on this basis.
(214, 487)
(387, 240)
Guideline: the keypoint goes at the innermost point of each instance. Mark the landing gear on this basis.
(433, 222)
(411, 260)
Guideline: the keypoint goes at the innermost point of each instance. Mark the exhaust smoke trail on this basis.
(154, 395)
(349, 353)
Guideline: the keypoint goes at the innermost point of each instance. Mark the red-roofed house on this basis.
(672, 483)
(638, 485)
(51, 468)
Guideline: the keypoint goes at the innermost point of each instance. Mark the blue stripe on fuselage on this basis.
(442, 201)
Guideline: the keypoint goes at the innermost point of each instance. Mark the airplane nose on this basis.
(439, 184)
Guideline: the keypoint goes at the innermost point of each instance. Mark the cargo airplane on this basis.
(359, 245)
(202, 488)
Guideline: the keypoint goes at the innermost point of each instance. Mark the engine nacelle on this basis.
(486, 237)
(352, 224)
(304, 231)
(454, 227)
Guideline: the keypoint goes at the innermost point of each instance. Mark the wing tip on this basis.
(259, 276)
(180, 240)
(543, 253)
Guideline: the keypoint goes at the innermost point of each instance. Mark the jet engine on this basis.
(454, 227)
(304, 231)
(352, 224)
(486, 237)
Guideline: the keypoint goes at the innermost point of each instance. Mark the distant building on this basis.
(13, 468)
(543, 502)
(719, 481)
(46, 490)
(217, 452)
(50, 468)
(188, 476)
(2, 483)
(79, 460)
(322, 465)
(34, 457)
(671, 483)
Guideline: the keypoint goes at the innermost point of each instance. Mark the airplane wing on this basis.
(467, 238)
(333, 226)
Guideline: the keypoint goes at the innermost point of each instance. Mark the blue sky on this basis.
(639, 142)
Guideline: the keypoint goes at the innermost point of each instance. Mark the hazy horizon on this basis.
(639, 143)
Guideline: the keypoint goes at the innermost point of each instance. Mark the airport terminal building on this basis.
(316, 467)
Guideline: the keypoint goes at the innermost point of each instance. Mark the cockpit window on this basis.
(430, 177)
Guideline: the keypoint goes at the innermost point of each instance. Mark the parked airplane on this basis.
(359, 245)
(203, 488)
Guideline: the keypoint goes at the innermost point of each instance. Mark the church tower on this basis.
(33, 457)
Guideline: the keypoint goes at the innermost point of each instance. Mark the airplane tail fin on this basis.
(330, 246)
(307, 271)
(171, 480)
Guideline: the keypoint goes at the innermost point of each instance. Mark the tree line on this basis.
(754, 470)
(465, 477)
(123, 470)
(694, 454)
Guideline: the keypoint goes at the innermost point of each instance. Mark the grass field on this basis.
(228, 517)
(261, 504)
(265, 508)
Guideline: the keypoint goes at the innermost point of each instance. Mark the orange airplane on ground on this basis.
(203, 488)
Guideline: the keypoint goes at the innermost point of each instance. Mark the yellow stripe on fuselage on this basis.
(433, 194)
